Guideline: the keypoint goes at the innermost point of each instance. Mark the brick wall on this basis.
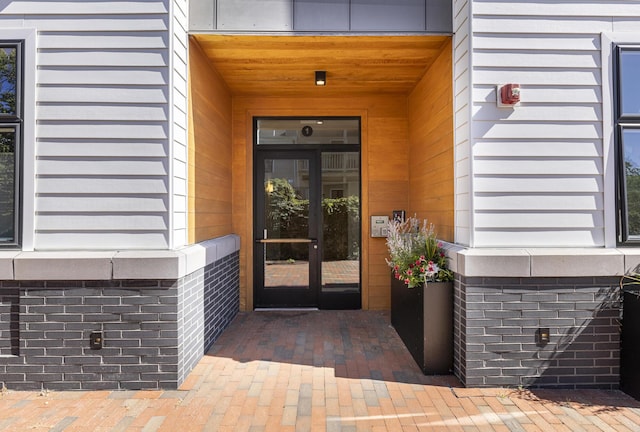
(137, 320)
(496, 320)
(209, 300)
(9, 321)
(190, 323)
(153, 329)
(221, 297)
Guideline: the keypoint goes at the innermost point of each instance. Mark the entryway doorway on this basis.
(307, 213)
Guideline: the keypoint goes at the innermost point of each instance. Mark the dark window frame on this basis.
(15, 121)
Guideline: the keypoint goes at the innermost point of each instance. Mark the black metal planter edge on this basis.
(423, 318)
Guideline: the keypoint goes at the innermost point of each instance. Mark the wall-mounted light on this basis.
(321, 78)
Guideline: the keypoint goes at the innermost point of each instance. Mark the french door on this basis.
(307, 226)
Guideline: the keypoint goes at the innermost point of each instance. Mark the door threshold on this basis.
(285, 309)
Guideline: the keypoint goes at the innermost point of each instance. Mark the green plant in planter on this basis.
(416, 255)
(630, 282)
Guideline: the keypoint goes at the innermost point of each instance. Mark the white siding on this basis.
(462, 119)
(179, 123)
(538, 169)
(103, 86)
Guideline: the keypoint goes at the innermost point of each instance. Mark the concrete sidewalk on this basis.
(322, 370)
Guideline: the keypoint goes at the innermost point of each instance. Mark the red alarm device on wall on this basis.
(509, 94)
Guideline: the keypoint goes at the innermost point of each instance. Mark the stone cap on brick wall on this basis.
(106, 265)
(541, 262)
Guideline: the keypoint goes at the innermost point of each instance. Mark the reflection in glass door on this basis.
(286, 226)
(307, 214)
(340, 276)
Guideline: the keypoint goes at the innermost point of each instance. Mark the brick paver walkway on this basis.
(296, 274)
(308, 371)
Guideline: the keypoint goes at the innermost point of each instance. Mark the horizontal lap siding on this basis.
(462, 114)
(103, 153)
(179, 123)
(538, 172)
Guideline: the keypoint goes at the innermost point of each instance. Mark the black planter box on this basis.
(425, 323)
(630, 352)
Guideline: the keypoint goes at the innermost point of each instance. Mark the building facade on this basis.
(143, 144)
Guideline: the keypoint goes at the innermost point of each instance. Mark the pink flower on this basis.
(409, 272)
(407, 281)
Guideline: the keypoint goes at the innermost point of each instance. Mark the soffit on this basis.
(285, 65)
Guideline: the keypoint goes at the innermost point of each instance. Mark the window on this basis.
(10, 141)
(307, 131)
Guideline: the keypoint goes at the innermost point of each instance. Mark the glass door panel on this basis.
(307, 213)
(340, 278)
(286, 226)
(282, 272)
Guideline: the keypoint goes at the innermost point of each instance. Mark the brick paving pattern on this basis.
(296, 274)
(346, 272)
(317, 371)
(283, 274)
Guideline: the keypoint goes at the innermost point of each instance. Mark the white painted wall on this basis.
(538, 174)
(104, 151)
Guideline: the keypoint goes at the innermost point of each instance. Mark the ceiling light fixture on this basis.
(321, 78)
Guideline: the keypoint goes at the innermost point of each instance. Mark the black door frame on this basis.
(287, 297)
(348, 300)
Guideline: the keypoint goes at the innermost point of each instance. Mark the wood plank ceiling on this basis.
(285, 65)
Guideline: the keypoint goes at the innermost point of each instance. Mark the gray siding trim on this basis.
(346, 16)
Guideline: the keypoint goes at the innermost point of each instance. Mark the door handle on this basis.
(288, 240)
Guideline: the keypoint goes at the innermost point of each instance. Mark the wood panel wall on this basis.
(431, 165)
(210, 152)
(407, 161)
(385, 175)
